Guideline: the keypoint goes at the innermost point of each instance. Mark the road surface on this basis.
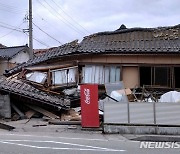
(71, 142)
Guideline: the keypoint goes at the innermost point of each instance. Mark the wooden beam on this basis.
(43, 111)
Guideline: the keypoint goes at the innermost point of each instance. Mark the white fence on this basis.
(141, 113)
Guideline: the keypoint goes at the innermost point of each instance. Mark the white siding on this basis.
(20, 58)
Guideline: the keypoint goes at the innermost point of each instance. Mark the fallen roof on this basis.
(10, 52)
(49, 55)
(161, 40)
(20, 88)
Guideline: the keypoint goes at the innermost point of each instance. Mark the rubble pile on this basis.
(53, 94)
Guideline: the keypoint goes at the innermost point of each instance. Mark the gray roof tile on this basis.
(10, 52)
(23, 89)
(122, 41)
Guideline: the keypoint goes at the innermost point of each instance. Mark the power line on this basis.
(75, 29)
(21, 31)
(47, 33)
(11, 28)
(7, 34)
(10, 31)
(63, 17)
(51, 24)
(10, 9)
(41, 42)
(69, 16)
(9, 25)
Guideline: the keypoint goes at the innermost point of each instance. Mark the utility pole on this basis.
(30, 30)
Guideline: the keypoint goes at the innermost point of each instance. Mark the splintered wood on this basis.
(71, 115)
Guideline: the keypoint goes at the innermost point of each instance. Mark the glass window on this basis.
(64, 76)
(162, 76)
(159, 76)
(100, 74)
(112, 74)
(38, 77)
(106, 74)
(118, 74)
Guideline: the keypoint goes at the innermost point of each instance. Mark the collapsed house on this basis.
(136, 56)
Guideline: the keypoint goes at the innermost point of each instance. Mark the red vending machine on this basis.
(89, 105)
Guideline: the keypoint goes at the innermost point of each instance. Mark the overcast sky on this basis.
(60, 21)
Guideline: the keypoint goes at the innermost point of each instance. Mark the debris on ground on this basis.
(53, 94)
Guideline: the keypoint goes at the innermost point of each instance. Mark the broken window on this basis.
(64, 76)
(100, 74)
(38, 77)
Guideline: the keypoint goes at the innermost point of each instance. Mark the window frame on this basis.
(67, 79)
(105, 67)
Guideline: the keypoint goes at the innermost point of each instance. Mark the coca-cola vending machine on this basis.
(89, 105)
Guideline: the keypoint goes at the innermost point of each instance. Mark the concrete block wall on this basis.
(5, 106)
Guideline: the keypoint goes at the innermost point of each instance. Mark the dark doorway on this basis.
(145, 76)
(177, 77)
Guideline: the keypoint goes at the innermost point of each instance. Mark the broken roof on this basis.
(10, 52)
(161, 40)
(53, 53)
(39, 52)
(22, 89)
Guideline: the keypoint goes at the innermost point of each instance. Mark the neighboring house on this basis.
(12, 56)
(2, 46)
(138, 56)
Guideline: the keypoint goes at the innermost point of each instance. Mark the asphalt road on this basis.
(71, 142)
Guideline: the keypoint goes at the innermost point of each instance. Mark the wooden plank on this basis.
(7, 127)
(30, 113)
(51, 67)
(43, 111)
